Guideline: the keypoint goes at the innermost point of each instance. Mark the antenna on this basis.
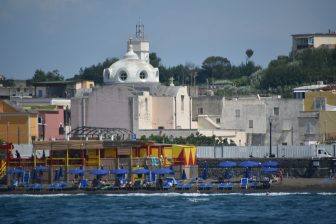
(140, 31)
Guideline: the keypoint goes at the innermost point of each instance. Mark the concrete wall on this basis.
(108, 106)
(163, 112)
(285, 125)
(318, 41)
(211, 105)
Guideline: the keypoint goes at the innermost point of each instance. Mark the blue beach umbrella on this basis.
(41, 168)
(76, 172)
(163, 171)
(57, 177)
(15, 171)
(141, 171)
(184, 175)
(119, 171)
(227, 164)
(269, 169)
(249, 164)
(270, 163)
(99, 172)
(205, 171)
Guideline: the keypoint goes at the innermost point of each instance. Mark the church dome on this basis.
(131, 69)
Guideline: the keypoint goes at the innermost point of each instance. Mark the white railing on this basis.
(280, 151)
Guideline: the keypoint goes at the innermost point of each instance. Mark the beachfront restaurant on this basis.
(53, 160)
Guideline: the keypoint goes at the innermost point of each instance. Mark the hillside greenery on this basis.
(217, 72)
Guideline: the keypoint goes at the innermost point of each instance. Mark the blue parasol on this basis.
(249, 164)
(119, 171)
(270, 163)
(57, 177)
(76, 172)
(141, 171)
(163, 171)
(184, 175)
(269, 169)
(41, 168)
(15, 171)
(227, 164)
(99, 172)
(205, 172)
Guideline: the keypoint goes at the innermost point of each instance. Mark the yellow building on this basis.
(323, 102)
(17, 126)
(313, 40)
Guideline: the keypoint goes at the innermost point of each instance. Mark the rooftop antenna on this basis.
(140, 31)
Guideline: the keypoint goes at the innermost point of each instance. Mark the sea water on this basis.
(170, 208)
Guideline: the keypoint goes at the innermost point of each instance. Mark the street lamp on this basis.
(270, 119)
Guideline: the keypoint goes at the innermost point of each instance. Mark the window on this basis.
(276, 111)
(146, 105)
(122, 76)
(217, 120)
(40, 93)
(320, 103)
(237, 113)
(182, 102)
(143, 75)
(250, 123)
(200, 110)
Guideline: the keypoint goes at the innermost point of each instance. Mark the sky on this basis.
(70, 34)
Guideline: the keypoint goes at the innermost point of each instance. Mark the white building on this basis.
(133, 98)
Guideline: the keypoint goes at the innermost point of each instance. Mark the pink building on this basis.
(51, 123)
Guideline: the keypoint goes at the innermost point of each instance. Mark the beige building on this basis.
(313, 40)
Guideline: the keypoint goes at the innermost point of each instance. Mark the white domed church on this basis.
(131, 69)
(133, 98)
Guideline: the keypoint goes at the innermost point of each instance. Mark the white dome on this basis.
(131, 69)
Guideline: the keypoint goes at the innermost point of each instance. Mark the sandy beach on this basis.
(290, 185)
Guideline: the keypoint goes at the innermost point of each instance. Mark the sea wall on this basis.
(291, 167)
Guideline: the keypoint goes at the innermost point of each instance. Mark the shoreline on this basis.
(289, 185)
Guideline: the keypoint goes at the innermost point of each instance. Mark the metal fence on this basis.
(280, 151)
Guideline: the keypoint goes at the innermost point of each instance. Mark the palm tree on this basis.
(249, 53)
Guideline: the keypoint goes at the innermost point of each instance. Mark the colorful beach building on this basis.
(107, 155)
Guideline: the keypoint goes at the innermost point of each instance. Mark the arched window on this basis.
(123, 75)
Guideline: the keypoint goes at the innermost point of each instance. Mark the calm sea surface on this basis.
(169, 208)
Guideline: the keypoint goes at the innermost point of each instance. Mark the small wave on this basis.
(326, 193)
(40, 195)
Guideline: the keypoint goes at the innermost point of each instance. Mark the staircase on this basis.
(3, 168)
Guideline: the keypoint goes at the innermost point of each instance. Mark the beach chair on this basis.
(229, 186)
(253, 185)
(221, 186)
(35, 187)
(201, 186)
(187, 186)
(83, 184)
(243, 183)
(179, 186)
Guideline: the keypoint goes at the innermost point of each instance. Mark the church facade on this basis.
(133, 98)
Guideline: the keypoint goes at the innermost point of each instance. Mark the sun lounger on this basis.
(187, 186)
(35, 187)
(226, 186)
(244, 183)
(83, 184)
(179, 186)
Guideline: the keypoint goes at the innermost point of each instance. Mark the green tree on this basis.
(154, 60)
(249, 53)
(39, 76)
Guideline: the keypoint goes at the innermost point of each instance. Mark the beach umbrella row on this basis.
(229, 164)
